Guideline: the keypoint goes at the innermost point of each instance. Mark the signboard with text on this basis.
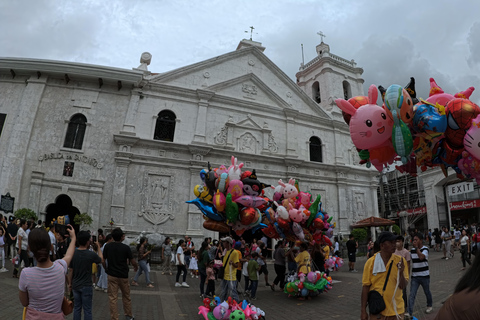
(466, 204)
(460, 188)
(7, 203)
(419, 210)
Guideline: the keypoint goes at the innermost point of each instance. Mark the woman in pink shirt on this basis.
(42, 288)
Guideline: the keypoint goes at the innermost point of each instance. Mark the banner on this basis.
(466, 204)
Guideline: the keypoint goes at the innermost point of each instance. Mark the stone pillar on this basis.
(290, 134)
(130, 118)
(95, 202)
(35, 191)
(15, 153)
(194, 216)
(432, 210)
(201, 124)
(343, 221)
(119, 188)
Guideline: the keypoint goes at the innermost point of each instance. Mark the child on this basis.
(2, 246)
(253, 269)
(193, 265)
(210, 280)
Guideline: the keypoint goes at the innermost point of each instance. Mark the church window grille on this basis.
(316, 92)
(315, 149)
(76, 132)
(3, 116)
(347, 91)
(165, 126)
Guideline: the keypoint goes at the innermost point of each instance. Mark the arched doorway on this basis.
(61, 207)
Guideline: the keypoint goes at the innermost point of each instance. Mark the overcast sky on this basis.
(391, 40)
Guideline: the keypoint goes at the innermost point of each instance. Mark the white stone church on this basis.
(128, 145)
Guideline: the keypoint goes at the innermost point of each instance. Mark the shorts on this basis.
(263, 269)
(351, 257)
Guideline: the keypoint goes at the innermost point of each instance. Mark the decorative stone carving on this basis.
(251, 62)
(157, 197)
(272, 145)
(292, 169)
(250, 90)
(317, 172)
(221, 137)
(247, 143)
(354, 156)
(359, 204)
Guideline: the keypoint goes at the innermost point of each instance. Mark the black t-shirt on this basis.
(12, 229)
(116, 255)
(188, 246)
(351, 246)
(82, 268)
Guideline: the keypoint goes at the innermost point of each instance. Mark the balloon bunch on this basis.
(230, 199)
(420, 133)
(333, 263)
(311, 284)
(214, 309)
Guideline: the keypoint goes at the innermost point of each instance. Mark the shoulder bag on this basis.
(376, 304)
(221, 271)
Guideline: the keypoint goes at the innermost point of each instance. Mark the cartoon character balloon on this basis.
(371, 128)
(470, 162)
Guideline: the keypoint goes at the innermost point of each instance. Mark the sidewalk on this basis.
(165, 301)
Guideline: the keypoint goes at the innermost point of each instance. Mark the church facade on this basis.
(127, 145)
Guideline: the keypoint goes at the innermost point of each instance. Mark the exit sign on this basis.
(460, 188)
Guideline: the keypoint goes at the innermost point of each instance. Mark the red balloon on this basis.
(248, 215)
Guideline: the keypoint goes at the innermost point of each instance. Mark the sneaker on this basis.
(446, 258)
(407, 316)
(193, 276)
(354, 270)
(134, 284)
(171, 273)
(253, 298)
(129, 318)
(185, 285)
(3, 270)
(98, 288)
(196, 277)
(105, 290)
(429, 310)
(177, 284)
(163, 272)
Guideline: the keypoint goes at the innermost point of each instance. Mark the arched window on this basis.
(75, 132)
(347, 91)
(316, 92)
(165, 127)
(315, 149)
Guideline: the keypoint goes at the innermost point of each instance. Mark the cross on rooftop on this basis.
(251, 32)
(320, 33)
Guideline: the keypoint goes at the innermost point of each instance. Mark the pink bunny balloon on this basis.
(234, 171)
(294, 214)
(289, 189)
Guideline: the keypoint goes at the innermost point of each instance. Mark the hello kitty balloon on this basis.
(470, 162)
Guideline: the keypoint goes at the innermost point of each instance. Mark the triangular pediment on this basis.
(248, 123)
(236, 75)
(249, 87)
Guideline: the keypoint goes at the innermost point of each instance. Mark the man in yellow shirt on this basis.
(374, 276)
(303, 259)
(326, 249)
(230, 264)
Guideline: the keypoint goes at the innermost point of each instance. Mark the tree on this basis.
(26, 214)
(360, 234)
(83, 220)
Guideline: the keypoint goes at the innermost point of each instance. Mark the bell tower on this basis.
(328, 77)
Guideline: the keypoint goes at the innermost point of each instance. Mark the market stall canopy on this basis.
(373, 222)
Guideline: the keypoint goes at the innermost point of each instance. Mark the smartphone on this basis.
(62, 229)
(94, 238)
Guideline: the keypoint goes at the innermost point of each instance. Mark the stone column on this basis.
(95, 202)
(130, 118)
(15, 153)
(119, 188)
(35, 191)
(432, 210)
(343, 221)
(194, 216)
(201, 124)
(290, 134)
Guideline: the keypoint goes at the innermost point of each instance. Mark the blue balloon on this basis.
(244, 304)
(304, 292)
(428, 119)
(207, 209)
(260, 226)
(217, 300)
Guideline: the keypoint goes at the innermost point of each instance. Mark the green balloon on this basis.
(320, 285)
(308, 285)
(211, 316)
(231, 209)
(313, 210)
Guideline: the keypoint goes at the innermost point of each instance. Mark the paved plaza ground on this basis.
(165, 301)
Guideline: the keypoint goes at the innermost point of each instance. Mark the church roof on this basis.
(373, 222)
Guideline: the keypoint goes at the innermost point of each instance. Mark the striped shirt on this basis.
(45, 286)
(419, 267)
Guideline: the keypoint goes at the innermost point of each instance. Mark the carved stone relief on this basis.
(247, 143)
(272, 145)
(359, 205)
(221, 137)
(157, 195)
(354, 157)
(250, 90)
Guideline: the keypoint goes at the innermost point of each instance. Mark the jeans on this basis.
(203, 277)
(247, 283)
(25, 259)
(142, 267)
(465, 255)
(83, 299)
(102, 280)
(179, 270)
(229, 289)
(416, 282)
(113, 285)
(253, 288)
(187, 261)
(292, 266)
(280, 278)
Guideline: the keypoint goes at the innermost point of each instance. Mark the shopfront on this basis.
(465, 212)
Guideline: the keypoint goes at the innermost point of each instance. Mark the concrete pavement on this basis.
(165, 301)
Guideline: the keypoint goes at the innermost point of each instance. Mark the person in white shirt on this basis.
(336, 251)
(447, 243)
(53, 241)
(457, 233)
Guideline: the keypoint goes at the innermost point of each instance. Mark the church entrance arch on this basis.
(61, 207)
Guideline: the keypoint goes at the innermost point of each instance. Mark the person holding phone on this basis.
(42, 289)
(142, 263)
